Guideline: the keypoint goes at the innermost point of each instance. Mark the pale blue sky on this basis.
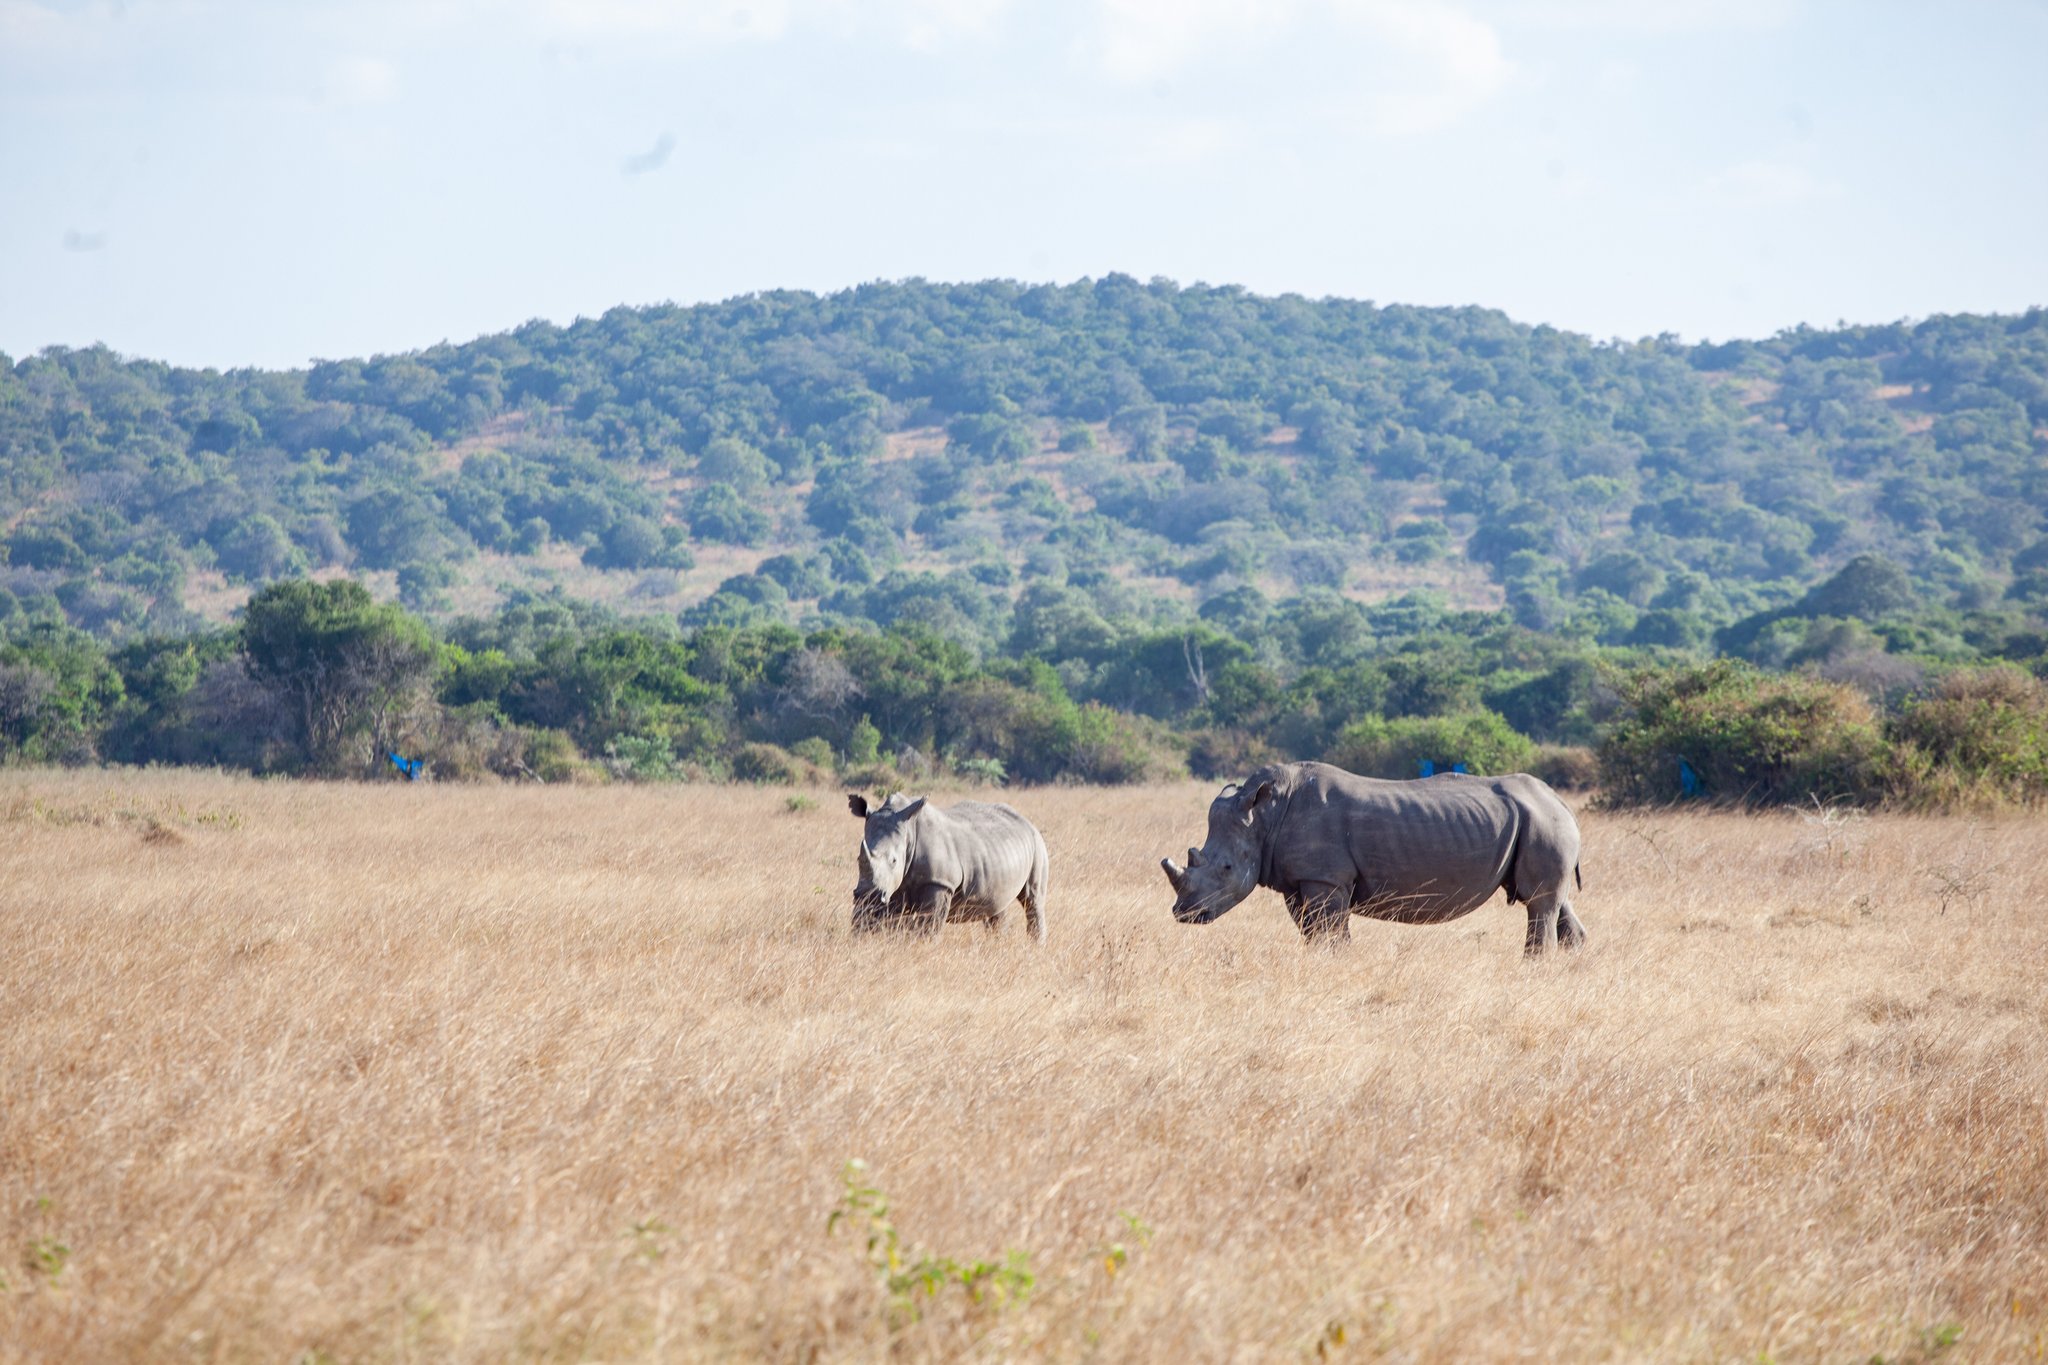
(235, 182)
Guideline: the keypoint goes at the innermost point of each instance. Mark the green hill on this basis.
(929, 451)
(1095, 532)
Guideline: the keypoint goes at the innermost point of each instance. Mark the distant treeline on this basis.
(1110, 438)
(319, 678)
(1095, 532)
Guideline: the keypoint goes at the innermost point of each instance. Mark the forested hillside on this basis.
(1234, 514)
(928, 449)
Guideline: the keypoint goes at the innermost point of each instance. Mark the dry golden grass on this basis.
(426, 1073)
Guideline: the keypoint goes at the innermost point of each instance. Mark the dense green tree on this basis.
(345, 667)
(257, 548)
(57, 691)
(734, 463)
(719, 513)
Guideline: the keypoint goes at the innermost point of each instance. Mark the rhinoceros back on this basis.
(985, 850)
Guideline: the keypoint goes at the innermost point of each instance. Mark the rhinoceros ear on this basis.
(858, 804)
(1248, 798)
(911, 809)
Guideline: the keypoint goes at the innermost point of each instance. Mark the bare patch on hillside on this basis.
(209, 595)
(912, 442)
(1909, 404)
(489, 436)
(1464, 584)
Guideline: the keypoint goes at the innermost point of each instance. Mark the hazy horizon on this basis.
(214, 183)
(641, 304)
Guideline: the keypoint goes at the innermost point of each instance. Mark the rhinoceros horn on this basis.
(1174, 871)
(1194, 857)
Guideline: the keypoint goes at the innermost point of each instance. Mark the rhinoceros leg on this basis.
(929, 907)
(1544, 908)
(1570, 933)
(1322, 911)
(1033, 897)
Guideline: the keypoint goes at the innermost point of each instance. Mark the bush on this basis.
(863, 744)
(1751, 737)
(628, 543)
(878, 778)
(642, 758)
(1980, 739)
(423, 586)
(1419, 542)
(1226, 753)
(465, 744)
(1482, 740)
(771, 765)
(719, 513)
(1567, 767)
(815, 751)
(1112, 748)
(551, 756)
(984, 772)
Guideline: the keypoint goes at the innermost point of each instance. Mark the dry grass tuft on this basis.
(407, 1072)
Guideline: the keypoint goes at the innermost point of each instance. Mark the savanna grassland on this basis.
(319, 1072)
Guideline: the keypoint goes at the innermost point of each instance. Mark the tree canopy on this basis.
(1092, 530)
(1000, 435)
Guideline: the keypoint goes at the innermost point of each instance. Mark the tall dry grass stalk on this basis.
(416, 1073)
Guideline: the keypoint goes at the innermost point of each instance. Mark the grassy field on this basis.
(335, 1073)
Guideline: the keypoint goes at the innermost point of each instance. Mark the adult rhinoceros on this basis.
(921, 866)
(1335, 844)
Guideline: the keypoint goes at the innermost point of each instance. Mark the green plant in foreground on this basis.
(1934, 1341)
(1116, 1255)
(47, 1256)
(904, 1275)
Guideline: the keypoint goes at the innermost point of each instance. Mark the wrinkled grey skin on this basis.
(1335, 844)
(921, 866)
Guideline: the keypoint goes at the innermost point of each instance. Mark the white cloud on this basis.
(1645, 16)
(928, 25)
(27, 27)
(1450, 63)
(1760, 181)
(40, 31)
(360, 80)
(922, 25)
(1412, 66)
(1192, 141)
(1142, 40)
(717, 20)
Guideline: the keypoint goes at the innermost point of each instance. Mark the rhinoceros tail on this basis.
(1577, 880)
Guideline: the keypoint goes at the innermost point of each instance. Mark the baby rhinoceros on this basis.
(921, 866)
